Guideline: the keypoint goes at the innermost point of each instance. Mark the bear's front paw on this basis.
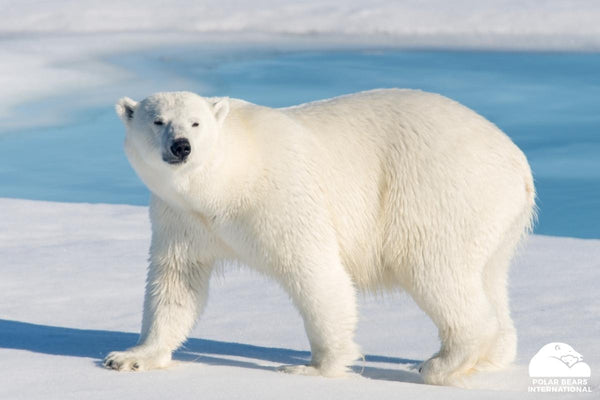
(136, 360)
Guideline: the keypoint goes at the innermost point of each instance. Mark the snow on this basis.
(557, 19)
(72, 288)
(51, 45)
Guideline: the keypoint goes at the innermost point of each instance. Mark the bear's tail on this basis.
(531, 208)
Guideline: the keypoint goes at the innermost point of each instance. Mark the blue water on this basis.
(548, 103)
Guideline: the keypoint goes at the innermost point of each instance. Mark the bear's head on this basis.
(170, 133)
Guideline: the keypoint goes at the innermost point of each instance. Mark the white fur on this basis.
(375, 190)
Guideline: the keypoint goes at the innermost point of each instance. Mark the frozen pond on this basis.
(549, 103)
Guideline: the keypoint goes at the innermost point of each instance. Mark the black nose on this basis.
(181, 148)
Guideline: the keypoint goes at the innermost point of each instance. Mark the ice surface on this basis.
(72, 283)
(491, 22)
(44, 44)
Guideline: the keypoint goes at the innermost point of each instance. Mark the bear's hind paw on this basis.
(299, 370)
(311, 370)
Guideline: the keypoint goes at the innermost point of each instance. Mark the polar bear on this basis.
(558, 360)
(380, 189)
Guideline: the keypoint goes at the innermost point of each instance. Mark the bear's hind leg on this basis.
(504, 349)
(465, 319)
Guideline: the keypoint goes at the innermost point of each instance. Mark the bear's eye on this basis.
(158, 122)
(195, 125)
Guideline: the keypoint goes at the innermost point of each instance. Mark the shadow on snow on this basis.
(96, 344)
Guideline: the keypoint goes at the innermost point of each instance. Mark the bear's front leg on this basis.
(175, 295)
(324, 294)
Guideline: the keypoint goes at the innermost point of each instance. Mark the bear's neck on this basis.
(225, 184)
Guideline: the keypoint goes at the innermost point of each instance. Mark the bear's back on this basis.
(414, 163)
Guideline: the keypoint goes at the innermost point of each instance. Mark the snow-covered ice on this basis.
(72, 282)
(46, 46)
(438, 22)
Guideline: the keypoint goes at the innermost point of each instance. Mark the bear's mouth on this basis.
(173, 160)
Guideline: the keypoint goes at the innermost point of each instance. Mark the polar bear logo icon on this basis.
(558, 360)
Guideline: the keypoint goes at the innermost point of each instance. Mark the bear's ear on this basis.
(125, 108)
(221, 109)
